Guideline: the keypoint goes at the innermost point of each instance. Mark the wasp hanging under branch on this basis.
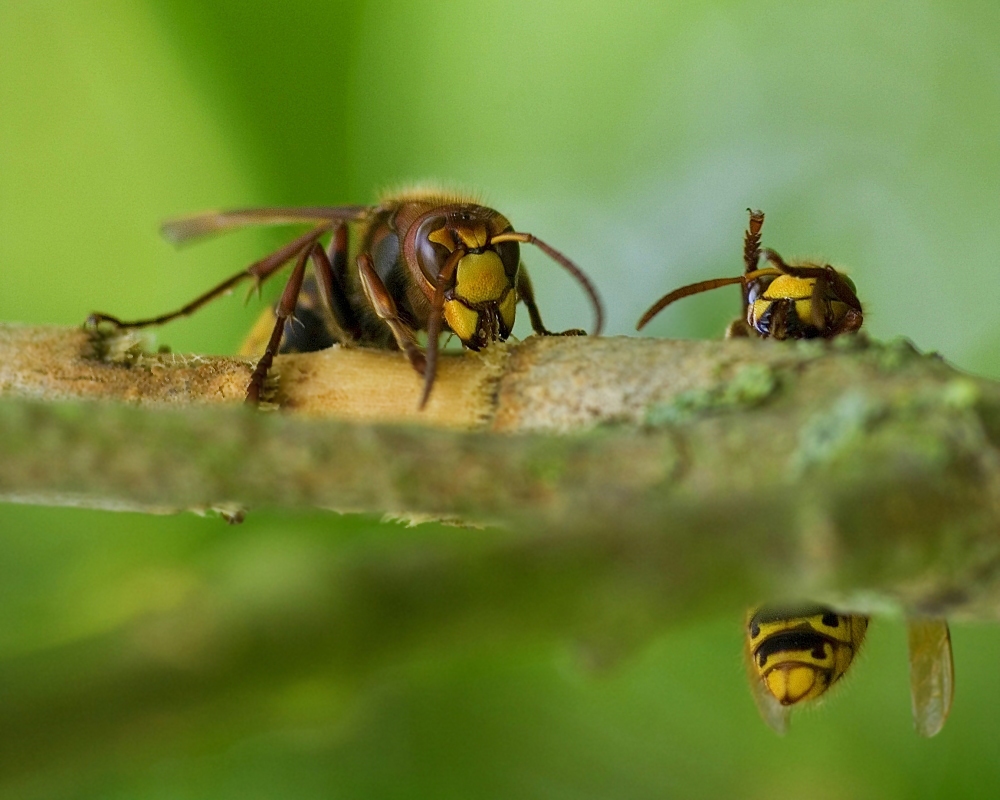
(421, 261)
(781, 300)
(795, 655)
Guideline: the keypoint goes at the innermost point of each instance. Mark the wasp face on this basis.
(781, 307)
(480, 305)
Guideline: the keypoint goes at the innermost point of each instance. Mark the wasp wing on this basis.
(184, 229)
(932, 678)
(773, 713)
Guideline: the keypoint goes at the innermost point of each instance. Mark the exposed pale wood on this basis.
(378, 386)
(62, 364)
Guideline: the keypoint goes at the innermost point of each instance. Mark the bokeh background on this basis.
(633, 136)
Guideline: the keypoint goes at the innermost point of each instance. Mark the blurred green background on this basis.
(632, 136)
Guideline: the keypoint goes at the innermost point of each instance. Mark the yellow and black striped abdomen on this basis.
(798, 654)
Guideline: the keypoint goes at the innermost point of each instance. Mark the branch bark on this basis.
(839, 468)
(630, 484)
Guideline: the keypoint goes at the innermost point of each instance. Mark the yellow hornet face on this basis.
(480, 299)
(770, 310)
(481, 307)
(785, 287)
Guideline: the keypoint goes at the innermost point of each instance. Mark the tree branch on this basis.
(636, 483)
(803, 460)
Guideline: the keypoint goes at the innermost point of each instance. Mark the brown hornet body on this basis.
(422, 261)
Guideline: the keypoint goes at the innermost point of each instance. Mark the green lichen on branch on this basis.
(752, 385)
